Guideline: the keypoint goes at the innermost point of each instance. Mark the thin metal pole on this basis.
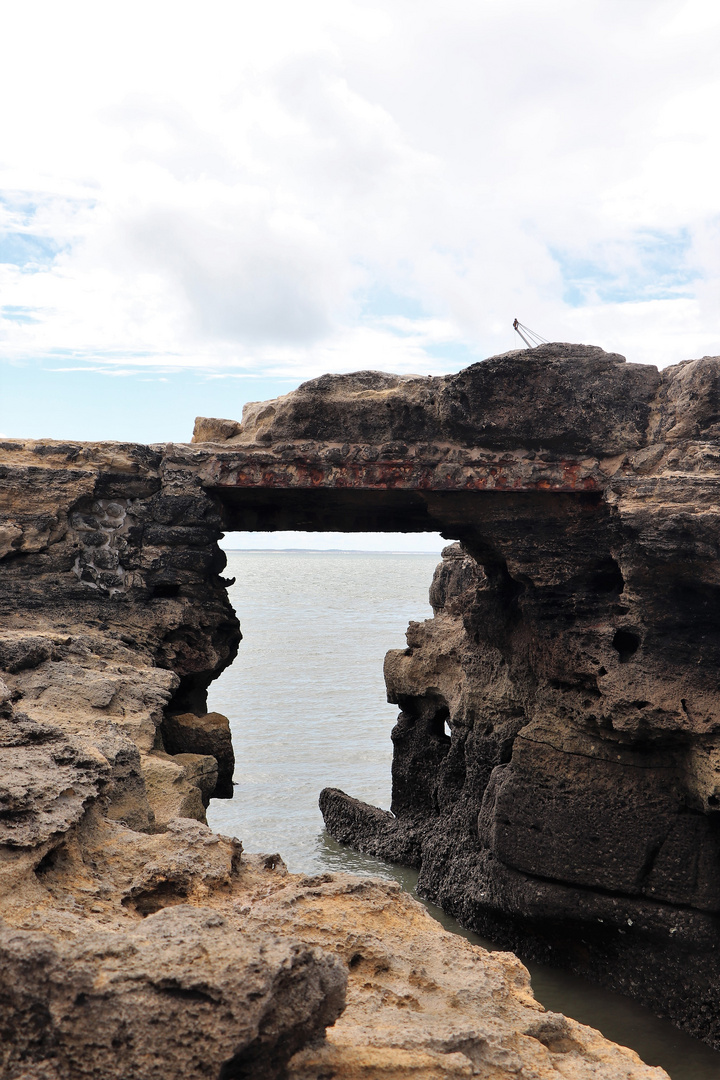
(531, 344)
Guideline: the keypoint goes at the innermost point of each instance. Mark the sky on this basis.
(207, 203)
(417, 543)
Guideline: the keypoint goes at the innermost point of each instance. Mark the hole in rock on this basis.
(302, 715)
(306, 697)
(165, 894)
(607, 577)
(437, 722)
(51, 861)
(626, 642)
(166, 589)
(185, 993)
(505, 751)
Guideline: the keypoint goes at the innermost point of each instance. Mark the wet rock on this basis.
(367, 828)
(554, 771)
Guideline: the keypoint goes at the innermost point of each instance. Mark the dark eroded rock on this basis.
(555, 770)
(575, 398)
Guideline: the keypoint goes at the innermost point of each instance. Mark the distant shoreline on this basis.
(323, 551)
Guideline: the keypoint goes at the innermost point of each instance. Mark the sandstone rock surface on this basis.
(225, 1005)
(185, 733)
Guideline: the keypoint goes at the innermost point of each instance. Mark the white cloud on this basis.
(232, 186)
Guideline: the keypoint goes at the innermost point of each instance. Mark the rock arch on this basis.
(574, 651)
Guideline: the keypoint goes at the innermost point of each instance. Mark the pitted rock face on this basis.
(556, 760)
(226, 1005)
(47, 778)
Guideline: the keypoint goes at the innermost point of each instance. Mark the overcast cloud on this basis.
(288, 188)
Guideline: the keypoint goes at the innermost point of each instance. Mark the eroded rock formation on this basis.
(556, 771)
(566, 627)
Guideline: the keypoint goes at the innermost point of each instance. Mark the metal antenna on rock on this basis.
(531, 339)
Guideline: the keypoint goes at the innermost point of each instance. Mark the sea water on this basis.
(307, 707)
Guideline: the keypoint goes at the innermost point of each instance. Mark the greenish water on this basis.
(306, 701)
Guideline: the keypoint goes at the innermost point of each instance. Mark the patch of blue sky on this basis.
(404, 315)
(22, 208)
(457, 353)
(382, 302)
(18, 314)
(152, 364)
(19, 206)
(42, 399)
(27, 250)
(655, 267)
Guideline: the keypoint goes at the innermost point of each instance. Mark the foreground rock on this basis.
(175, 953)
(130, 952)
(222, 1003)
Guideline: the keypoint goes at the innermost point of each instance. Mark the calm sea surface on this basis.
(306, 701)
